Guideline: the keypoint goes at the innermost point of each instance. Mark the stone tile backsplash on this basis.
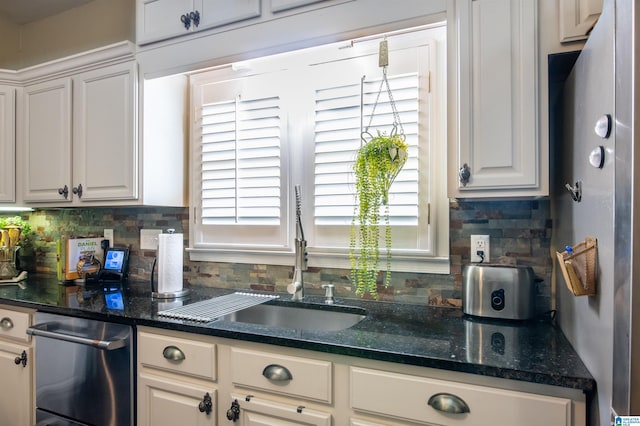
(520, 233)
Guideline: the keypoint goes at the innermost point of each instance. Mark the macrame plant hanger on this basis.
(378, 162)
(383, 62)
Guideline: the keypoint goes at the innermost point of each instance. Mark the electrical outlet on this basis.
(480, 248)
(149, 239)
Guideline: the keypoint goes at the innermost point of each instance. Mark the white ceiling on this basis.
(25, 11)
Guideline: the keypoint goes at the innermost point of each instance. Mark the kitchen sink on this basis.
(300, 318)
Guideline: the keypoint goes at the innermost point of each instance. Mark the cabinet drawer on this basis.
(257, 411)
(13, 325)
(191, 357)
(308, 378)
(405, 397)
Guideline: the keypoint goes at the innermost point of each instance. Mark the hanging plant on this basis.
(378, 162)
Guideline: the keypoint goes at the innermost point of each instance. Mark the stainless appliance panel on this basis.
(625, 395)
(83, 370)
(44, 418)
(498, 291)
(490, 342)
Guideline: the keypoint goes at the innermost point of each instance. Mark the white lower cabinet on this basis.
(163, 401)
(176, 379)
(431, 401)
(272, 388)
(253, 384)
(281, 374)
(17, 406)
(253, 411)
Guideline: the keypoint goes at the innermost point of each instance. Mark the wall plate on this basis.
(479, 249)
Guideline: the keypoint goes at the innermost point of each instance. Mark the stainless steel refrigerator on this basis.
(604, 329)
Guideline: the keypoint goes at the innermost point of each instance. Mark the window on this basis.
(262, 126)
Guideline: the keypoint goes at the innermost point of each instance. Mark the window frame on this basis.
(434, 260)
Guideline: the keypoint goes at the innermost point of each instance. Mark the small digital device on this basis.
(113, 299)
(116, 262)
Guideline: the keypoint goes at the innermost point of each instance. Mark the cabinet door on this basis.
(161, 19)
(7, 144)
(47, 138)
(497, 125)
(16, 404)
(262, 412)
(214, 13)
(104, 136)
(577, 17)
(163, 401)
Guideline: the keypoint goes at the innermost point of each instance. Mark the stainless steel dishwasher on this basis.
(83, 371)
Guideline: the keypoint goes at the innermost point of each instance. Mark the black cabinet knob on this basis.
(206, 405)
(186, 20)
(195, 18)
(78, 190)
(464, 174)
(64, 191)
(233, 413)
(22, 359)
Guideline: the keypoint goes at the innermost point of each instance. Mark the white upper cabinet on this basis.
(47, 141)
(81, 147)
(7, 144)
(577, 18)
(104, 133)
(494, 145)
(280, 5)
(81, 142)
(162, 19)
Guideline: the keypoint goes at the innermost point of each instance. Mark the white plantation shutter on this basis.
(239, 197)
(337, 140)
(241, 162)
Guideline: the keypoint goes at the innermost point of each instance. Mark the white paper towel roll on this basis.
(170, 247)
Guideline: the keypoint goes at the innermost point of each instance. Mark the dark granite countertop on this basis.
(443, 338)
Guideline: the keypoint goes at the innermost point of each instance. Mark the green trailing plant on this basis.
(377, 164)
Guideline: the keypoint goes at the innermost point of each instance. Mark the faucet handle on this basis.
(328, 293)
(294, 287)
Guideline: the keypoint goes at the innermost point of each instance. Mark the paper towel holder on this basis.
(169, 294)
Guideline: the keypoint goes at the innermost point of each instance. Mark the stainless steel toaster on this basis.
(498, 291)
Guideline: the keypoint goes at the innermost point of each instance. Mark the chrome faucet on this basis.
(296, 288)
